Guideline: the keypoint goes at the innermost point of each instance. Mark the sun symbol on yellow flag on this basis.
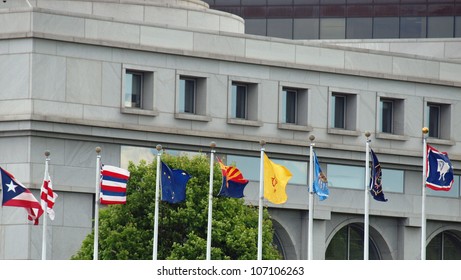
(276, 178)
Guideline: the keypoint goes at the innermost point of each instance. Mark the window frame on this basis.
(350, 114)
(147, 90)
(200, 96)
(252, 102)
(445, 129)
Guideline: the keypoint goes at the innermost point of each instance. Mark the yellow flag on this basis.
(276, 178)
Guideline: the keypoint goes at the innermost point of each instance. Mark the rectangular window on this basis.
(239, 101)
(413, 27)
(434, 120)
(438, 120)
(440, 27)
(386, 27)
(289, 99)
(359, 28)
(332, 28)
(133, 89)
(187, 95)
(339, 111)
(387, 116)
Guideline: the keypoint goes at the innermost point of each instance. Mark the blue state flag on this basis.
(174, 183)
(376, 184)
(320, 183)
(439, 175)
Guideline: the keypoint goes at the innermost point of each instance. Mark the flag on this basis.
(16, 195)
(376, 186)
(276, 178)
(47, 196)
(113, 184)
(439, 175)
(174, 183)
(320, 183)
(233, 182)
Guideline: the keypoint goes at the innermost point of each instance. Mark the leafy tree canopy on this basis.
(126, 231)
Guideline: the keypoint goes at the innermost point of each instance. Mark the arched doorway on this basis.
(445, 246)
(347, 244)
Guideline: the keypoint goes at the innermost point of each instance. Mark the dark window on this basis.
(434, 120)
(386, 27)
(440, 27)
(187, 95)
(290, 99)
(133, 89)
(332, 28)
(280, 27)
(239, 100)
(413, 27)
(458, 26)
(339, 111)
(359, 28)
(347, 244)
(387, 116)
(444, 246)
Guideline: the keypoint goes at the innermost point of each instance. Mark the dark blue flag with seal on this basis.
(376, 184)
(439, 170)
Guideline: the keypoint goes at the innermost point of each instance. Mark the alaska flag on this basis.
(233, 182)
(320, 183)
(439, 170)
(174, 183)
(113, 184)
(16, 195)
(376, 186)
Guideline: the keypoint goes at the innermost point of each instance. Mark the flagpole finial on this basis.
(213, 145)
(262, 142)
(47, 153)
(312, 138)
(158, 147)
(98, 150)
(425, 130)
(367, 134)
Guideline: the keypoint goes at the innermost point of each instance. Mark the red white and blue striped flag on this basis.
(113, 184)
(16, 195)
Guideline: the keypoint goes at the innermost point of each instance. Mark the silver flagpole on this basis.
(261, 197)
(310, 245)
(423, 202)
(96, 203)
(367, 198)
(157, 195)
(210, 203)
(44, 206)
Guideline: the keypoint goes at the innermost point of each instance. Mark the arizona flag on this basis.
(276, 178)
(439, 170)
(16, 195)
(233, 182)
(48, 196)
(113, 184)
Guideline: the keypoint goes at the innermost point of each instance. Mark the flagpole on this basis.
(44, 206)
(157, 195)
(96, 203)
(210, 203)
(367, 198)
(423, 202)
(310, 248)
(261, 197)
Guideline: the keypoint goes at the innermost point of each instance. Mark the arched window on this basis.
(444, 246)
(347, 244)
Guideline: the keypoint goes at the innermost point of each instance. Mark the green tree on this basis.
(126, 231)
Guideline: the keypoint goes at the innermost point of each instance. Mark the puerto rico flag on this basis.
(16, 195)
(113, 185)
(439, 170)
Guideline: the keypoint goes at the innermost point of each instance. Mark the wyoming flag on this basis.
(276, 178)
